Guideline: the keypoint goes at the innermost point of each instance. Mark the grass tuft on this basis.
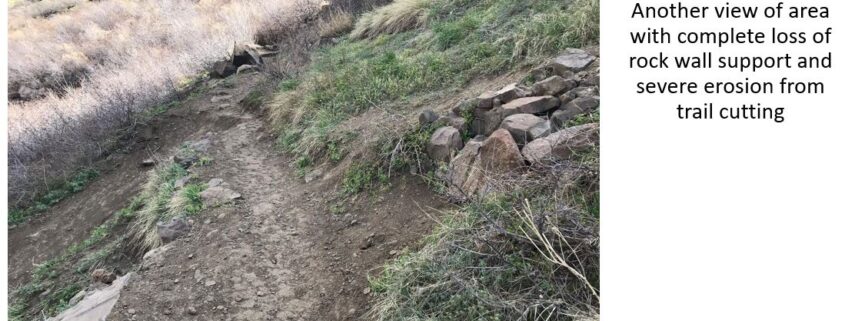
(399, 16)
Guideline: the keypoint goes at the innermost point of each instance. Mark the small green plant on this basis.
(361, 177)
(205, 161)
(191, 193)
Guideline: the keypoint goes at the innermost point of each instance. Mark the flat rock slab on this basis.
(96, 305)
(572, 60)
(530, 105)
(561, 145)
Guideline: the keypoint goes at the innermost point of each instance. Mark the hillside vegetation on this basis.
(528, 254)
(82, 70)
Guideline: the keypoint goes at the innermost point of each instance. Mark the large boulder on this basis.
(571, 61)
(578, 106)
(530, 105)
(463, 180)
(561, 145)
(444, 141)
(499, 153)
(553, 86)
(520, 125)
(474, 171)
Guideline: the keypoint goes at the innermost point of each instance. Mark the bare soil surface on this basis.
(286, 251)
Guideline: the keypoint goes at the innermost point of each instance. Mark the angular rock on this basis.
(511, 92)
(474, 171)
(465, 106)
(427, 117)
(457, 122)
(561, 145)
(458, 175)
(574, 108)
(176, 228)
(218, 195)
(585, 91)
(553, 86)
(485, 100)
(519, 126)
(530, 105)
(444, 141)
(540, 130)
(572, 60)
(499, 153)
(486, 121)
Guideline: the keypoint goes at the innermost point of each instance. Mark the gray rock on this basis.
(444, 141)
(572, 60)
(148, 162)
(176, 228)
(181, 182)
(465, 106)
(519, 126)
(573, 108)
(530, 105)
(540, 130)
(485, 100)
(511, 92)
(218, 195)
(561, 145)
(214, 182)
(486, 121)
(553, 86)
(457, 122)
(427, 117)
(585, 91)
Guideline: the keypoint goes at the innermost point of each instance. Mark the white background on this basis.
(721, 219)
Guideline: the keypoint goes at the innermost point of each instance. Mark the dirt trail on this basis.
(279, 253)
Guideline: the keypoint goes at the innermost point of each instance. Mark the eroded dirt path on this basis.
(279, 253)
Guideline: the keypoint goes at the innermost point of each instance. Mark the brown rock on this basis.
(103, 276)
(499, 153)
(561, 145)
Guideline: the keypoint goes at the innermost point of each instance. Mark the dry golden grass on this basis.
(337, 23)
(100, 63)
(401, 15)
